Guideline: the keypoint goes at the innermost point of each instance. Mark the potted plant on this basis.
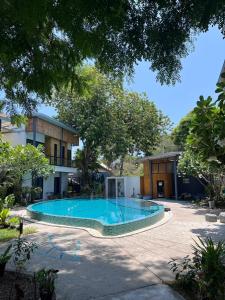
(4, 258)
(46, 280)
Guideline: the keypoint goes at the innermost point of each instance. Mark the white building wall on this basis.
(48, 186)
(17, 137)
(132, 186)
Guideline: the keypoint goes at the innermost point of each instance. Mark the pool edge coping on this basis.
(97, 234)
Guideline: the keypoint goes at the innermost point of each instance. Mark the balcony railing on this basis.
(58, 161)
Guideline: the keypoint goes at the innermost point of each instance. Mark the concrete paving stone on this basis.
(155, 292)
(120, 267)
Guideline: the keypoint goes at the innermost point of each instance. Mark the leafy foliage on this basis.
(46, 280)
(204, 273)
(18, 161)
(207, 130)
(202, 136)
(111, 122)
(211, 174)
(7, 202)
(5, 257)
(43, 42)
(22, 250)
(4, 214)
(181, 131)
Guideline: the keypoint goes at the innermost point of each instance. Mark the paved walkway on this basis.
(121, 268)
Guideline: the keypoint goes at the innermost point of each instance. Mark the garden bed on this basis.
(24, 283)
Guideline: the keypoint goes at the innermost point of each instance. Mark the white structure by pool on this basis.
(126, 186)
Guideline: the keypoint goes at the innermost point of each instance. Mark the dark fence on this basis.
(58, 161)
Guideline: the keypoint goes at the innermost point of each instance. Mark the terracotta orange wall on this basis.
(146, 180)
(166, 177)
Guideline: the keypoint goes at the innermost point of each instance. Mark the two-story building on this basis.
(57, 140)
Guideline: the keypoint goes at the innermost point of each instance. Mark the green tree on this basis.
(89, 112)
(111, 122)
(211, 174)
(19, 162)
(207, 133)
(87, 164)
(137, 127)
(181, 131)
(166, 144)
(42, 42)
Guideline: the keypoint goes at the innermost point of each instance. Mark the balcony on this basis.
(61, 162)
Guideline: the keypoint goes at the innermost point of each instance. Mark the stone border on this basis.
(97, 234)
(105, 230)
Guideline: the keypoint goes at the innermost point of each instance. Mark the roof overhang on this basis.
(54, 122)
(169, 155)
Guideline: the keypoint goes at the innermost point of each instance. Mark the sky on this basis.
(201, 69)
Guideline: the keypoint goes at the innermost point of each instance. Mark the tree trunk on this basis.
(121, 166)
(86, 179)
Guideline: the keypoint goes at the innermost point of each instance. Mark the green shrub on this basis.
(5, 257)
(14, 221)
(9, 201)
(22, 250)
(4, 214)
(46, 279)
(204, 273)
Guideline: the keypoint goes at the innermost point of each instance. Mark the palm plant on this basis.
(202, 275)
(46, 280)
(210, 259)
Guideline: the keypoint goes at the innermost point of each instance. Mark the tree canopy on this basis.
(111, 122)
(18, 161)
(181, 131)
(202, 137)
(211, 174)
(43, 42)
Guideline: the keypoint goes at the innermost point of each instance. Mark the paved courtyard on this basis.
(120, 268)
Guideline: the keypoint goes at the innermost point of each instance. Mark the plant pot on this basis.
(2, 269)
(46, 295)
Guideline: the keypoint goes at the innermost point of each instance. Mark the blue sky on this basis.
(200, 73)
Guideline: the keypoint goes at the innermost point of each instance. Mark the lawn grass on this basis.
(7, 234)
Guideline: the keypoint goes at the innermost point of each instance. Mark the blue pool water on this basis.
(106, 211)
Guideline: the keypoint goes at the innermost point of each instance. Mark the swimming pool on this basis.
(109, 216)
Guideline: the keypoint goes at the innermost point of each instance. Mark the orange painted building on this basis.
(160, 175)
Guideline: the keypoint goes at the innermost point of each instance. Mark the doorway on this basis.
(57, 185)
(160, 189)
(38, 183)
